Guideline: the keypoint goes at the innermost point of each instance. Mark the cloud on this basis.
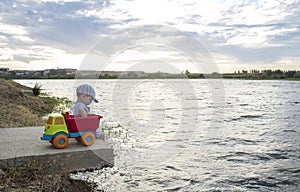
(149, 43)
(249, 24)
(250, 31)
(60, 61)
(33, 31)
(242, 31)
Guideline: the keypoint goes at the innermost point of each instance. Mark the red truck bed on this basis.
(75, 123)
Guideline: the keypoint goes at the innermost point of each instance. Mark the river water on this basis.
(195, 135)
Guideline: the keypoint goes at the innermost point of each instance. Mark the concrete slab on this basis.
(22, 146)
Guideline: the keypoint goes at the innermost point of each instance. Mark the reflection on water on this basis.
(188, 135)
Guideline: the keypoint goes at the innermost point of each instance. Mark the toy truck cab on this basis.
(54, 125)
(61, 127)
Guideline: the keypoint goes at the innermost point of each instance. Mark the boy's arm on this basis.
(82, 112)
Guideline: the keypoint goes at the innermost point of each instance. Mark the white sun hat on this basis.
(87, 90)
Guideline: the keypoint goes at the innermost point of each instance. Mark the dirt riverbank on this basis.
(20, 108)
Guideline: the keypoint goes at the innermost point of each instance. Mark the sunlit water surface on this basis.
(195, 135)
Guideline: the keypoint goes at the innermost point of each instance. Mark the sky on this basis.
(157, 35)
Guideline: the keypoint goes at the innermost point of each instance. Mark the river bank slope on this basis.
(20, 108)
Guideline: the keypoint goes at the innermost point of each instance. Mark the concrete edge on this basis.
(62, 162)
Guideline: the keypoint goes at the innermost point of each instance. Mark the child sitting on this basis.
(85, 96)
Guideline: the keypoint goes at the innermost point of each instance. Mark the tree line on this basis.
(243, 74)
(264, 74)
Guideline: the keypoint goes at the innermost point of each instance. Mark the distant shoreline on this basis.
(183, 78)
(246, 79)
(75, 74)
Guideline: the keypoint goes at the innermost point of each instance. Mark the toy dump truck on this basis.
(60, 128)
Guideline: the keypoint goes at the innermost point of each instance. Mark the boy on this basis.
(85, 96)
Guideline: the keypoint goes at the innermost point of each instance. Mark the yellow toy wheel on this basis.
(88, 139)
(60, 141)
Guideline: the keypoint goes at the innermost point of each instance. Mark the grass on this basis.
(21, 110)
(37, 89)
